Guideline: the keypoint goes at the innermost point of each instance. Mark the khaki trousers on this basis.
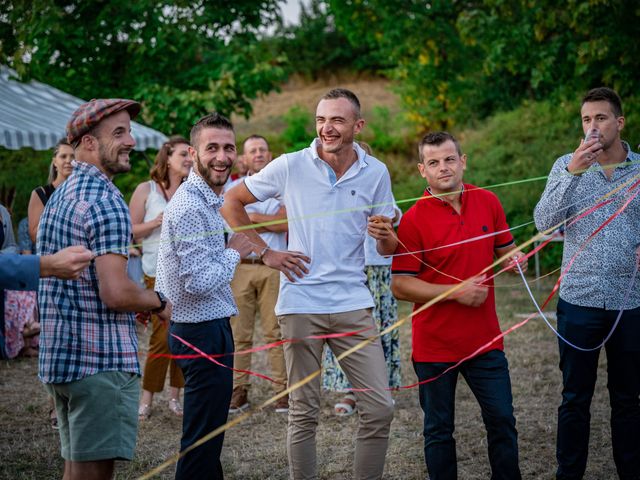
(364, 368)
(155, 368)
(255, 288)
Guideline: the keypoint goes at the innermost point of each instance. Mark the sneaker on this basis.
(239, 400)
(282, 405)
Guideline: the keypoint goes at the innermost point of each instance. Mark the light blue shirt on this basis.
(328, 223)
(194, 268)
(19, 272)
(601, 273)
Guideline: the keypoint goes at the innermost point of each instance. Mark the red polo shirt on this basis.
(448, 331)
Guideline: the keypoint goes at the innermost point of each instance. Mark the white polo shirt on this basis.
(328, 223)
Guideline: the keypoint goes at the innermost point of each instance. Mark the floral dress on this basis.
(385, 313)
(20, 310)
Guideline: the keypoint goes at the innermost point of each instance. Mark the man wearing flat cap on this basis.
(88, 341)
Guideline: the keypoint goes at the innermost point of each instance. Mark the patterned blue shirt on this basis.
(194, 268)
(601, 273)
(80, 335)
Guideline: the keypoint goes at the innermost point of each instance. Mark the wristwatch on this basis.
(163, 303)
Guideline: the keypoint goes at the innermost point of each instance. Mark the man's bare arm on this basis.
(119, 292)
(281, 225)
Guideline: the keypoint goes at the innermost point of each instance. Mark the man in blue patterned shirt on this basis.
(195, 269)
(88, 342)
(597, 284)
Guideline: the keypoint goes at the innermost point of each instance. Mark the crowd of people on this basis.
(305, 245)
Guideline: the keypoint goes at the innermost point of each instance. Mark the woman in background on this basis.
(59, 171)
(171, 167)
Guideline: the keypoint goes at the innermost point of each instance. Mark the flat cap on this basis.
(91, 113)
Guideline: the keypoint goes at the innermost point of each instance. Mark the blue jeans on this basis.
(207, 394)
(587, 327)
(488, 377)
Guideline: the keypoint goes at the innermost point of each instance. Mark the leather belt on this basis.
(251, 261)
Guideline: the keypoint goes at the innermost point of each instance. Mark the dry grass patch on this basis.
(268, 110)
(255, 449)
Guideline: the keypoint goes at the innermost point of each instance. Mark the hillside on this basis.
(268, 111)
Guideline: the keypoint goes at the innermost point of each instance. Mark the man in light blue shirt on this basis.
(596, 285)
(194, 271)
(335, 195)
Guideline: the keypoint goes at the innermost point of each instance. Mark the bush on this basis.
(297, 133)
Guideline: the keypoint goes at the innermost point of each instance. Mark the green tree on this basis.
(181, 59)
(316, 48)
(536, 49)
(456, 61)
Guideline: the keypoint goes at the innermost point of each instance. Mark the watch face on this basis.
(163, 302)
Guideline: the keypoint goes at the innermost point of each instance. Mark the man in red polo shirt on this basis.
(449, 236)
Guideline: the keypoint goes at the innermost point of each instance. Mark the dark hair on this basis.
(53, 171)
(607, 95)
(212, 120)
(255, 137)
(344, 93)
(160, 170)
(437, 139)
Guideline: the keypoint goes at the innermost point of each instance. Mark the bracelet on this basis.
(264, 250)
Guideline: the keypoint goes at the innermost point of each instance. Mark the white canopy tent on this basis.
(35, 115)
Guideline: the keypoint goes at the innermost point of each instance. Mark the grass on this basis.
(255, 449)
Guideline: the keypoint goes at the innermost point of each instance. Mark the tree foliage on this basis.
(180, 58)
(459, 60)
(316, 48)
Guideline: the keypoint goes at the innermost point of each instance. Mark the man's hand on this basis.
(473, 294)
(511, 263)
(165, 314)
(240, 242)
(157, 222)
(67, 263)
(289, 263)
(585, 155)
(380, 227)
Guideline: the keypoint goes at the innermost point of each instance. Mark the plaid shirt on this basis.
(80, 336)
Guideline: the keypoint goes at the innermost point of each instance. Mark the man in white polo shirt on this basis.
(335, 194)
(255, 287)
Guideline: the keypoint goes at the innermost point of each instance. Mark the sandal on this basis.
(346, 407)
(28, 352)
(144, 412)
(175, 407)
